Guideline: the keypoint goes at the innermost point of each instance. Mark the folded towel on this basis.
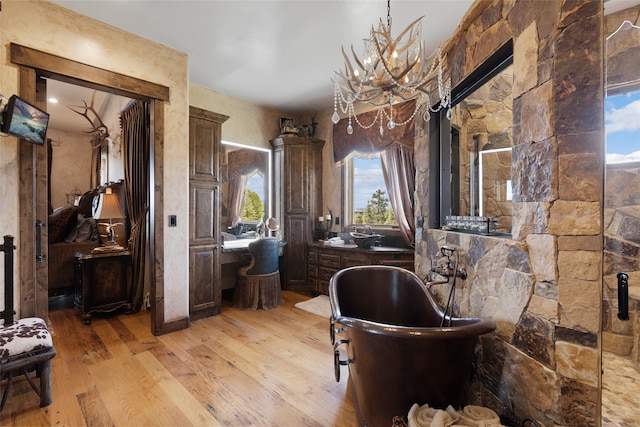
(424, 416)
(480, 416)
(469, 416)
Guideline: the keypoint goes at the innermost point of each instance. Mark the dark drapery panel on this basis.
(49, 164)
(399, 177)
(135, 124)
(244, 162)
(370, 140)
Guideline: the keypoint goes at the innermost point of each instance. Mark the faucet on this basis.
(429, 284)
(368, 228)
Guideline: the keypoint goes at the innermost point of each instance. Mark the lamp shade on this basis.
(107, 206)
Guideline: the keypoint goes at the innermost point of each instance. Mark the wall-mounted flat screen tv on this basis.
(25, 121)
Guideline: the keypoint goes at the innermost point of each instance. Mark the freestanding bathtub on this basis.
(397, 352)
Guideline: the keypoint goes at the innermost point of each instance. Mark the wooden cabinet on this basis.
(324, 261)
(103, 282)
(297, 193)
(205, 292)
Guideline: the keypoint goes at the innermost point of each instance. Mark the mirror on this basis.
(246, 188)
(481, 134)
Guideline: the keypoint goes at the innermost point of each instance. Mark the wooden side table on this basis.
(103, 283)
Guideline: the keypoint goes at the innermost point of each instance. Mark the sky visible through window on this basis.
(367, 178)
(255, 183)
(622, 126)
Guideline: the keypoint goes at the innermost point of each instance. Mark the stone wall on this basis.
(542, 286)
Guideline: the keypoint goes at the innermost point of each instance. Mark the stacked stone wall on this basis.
(542, 285)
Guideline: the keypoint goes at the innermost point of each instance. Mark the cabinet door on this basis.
(204, 297)
(297, 230)
(298, 180)
(204, 146)
(107, 283)
(205, 289)
(203, 223)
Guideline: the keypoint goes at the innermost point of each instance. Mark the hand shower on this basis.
(448, 252)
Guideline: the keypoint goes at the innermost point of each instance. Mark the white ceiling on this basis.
(277, 53)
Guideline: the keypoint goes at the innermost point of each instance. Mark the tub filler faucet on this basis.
(444, 266)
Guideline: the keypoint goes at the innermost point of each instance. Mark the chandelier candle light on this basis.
(393, 71)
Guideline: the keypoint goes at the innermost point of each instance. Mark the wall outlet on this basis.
(173, 221)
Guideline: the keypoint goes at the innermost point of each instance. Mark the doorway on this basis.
(32, 193)
(621, 230)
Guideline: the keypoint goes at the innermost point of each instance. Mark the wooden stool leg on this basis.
(45, 383)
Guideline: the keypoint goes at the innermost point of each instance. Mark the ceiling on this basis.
(280, 54)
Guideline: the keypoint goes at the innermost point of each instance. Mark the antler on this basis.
(100, 132)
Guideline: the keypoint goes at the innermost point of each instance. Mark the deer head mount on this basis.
(99, 132)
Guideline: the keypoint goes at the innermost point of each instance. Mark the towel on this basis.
(469, 416)
(424, 416)
(472, 415)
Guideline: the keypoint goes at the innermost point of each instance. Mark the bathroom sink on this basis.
(363, 240)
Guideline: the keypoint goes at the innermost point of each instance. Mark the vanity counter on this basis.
(325, 260)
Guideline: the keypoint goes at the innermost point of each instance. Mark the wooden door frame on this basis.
(32, 199)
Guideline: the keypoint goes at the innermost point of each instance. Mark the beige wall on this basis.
(71, 165)
(88, 41)
(248, 123)
(47, 27)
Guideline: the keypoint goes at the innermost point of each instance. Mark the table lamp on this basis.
(108, 207)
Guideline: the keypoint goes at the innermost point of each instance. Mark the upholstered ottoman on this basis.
(24, 347)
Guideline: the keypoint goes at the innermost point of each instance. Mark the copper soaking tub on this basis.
(397, 352)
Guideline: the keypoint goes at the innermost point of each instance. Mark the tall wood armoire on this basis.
(297, 196)
(205, 245)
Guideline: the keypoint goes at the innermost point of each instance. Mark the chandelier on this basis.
(392, 71)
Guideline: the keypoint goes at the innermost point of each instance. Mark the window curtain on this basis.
(237, 186)
(372, 140)
(396, 155)
(135, 123)
(399, 177)
(242, 164)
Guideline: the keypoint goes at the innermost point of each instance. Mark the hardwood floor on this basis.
(241, 368)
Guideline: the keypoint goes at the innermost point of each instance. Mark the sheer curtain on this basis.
(135, 123)
(399, 177)
(237, 187)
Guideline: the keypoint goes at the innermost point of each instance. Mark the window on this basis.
(472, 150)
(621, 124)
(366, 197)
(253, 208)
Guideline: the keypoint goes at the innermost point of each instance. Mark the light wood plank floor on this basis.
(241, 368)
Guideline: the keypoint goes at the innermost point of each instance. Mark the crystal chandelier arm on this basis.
(347, 65)
(385, 64)
(356, 59)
